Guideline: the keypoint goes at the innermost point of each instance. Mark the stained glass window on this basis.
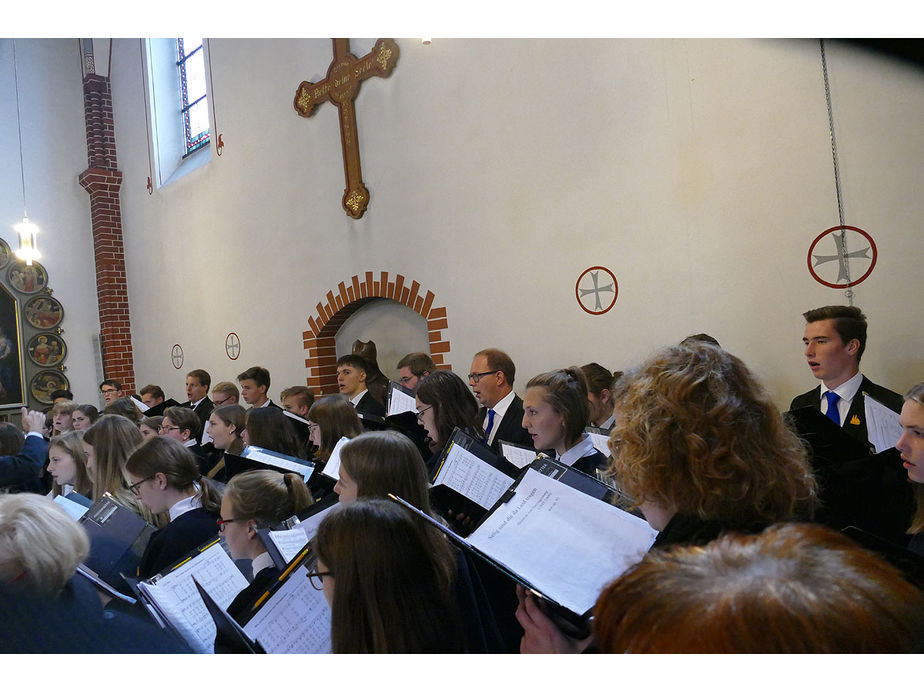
(195, 107)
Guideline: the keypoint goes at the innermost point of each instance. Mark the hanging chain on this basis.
(837, 176)
(22, 170)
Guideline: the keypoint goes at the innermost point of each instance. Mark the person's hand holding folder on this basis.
(540, 634)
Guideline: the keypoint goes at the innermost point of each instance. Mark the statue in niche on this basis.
(376, 382)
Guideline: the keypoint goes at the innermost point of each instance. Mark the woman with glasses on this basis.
(107, 444)
(164, 476)
(386, 589)
(254, 500)
(444, 403)
(555, 413)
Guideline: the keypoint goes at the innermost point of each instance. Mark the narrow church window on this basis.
(194, 106)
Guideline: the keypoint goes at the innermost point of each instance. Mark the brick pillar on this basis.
(103, 181)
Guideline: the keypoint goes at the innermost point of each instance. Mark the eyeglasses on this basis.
(422, 411)
(317, 579)
(220, 402)
(221, 523)
(406, 379)
(134, 487)
(106, 392)
(313, 426)
(475, 377)
(163, 428)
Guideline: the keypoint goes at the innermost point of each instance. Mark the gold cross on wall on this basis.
(341, 85)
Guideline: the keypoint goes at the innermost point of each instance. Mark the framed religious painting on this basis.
(43, 312)
(44, 383)
(5, 254)
(27, 279)
(46, 349)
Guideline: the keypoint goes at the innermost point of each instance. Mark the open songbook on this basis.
(118, 537)
(173, 600)
(400, 400)
(332, 468)
(469, 477)
(557, 541)
(254, 457)
(517, 455)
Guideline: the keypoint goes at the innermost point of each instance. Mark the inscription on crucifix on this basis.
(341, 85)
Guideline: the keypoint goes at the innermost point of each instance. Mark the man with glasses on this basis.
(501, 413)
(413, 367)
(112, 390)
(225, 393)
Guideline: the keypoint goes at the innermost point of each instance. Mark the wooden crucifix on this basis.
(340, 86)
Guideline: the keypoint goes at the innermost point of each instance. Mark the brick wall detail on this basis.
(339, 304)
(102, 180)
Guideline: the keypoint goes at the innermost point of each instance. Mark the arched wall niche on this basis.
(350, 296)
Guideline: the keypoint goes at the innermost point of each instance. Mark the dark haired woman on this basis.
(164, 476)
(444, 403)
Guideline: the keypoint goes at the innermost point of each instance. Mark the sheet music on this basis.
(295, 620)
(176, 594)
(276, 460)
(566, 543)
(471, 476)
(517, 456)
(310, 524)
(600, 442)
(882, 424)
(290, 542)
(332, 468)
(75, 510)
(400, 402)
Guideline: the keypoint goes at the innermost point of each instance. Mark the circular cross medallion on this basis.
(176, 355)
(596, 290)
(232, 346)
(840, 253)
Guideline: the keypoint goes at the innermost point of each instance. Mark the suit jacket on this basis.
(855, 421)
(509, 428)
(26, 465)
(370, 405)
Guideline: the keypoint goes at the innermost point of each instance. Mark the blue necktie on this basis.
(832, 412)
(487, 431)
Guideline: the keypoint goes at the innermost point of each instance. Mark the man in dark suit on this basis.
(351, 379)
(198, 382)
(501, 414)
(24, 468)
(835, 337)
(255, 382)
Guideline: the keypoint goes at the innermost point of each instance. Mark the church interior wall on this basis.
(698, 171)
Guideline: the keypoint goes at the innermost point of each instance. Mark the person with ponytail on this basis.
(164, 476)
(555, 413)
(254, 500)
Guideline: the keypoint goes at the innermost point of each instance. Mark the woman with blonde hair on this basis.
(107, 444)
(258, 499)
(165, 478)
(67, 465)
(40, 545)
(911, 447)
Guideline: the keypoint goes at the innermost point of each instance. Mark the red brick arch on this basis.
(336, 307)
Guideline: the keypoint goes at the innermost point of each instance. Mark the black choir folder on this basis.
(118, 537)
(558, 541)
(253, 457)
(868, 491)
(469, 478)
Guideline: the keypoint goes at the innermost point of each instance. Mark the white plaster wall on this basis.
(55, 154)
(699, 171)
